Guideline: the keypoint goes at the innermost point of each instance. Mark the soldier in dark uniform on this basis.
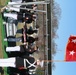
(22, 48)
(29, 63)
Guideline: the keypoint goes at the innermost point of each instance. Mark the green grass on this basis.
(3, 35)
(3, 43)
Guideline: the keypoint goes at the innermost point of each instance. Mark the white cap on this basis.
(42, 63)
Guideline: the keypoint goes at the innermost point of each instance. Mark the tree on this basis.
(53, 47)
(55, 17)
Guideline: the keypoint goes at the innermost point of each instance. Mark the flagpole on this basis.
(54, 61)
(48, 61)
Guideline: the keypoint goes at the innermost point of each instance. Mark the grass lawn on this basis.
(3, 2)
(2, 35)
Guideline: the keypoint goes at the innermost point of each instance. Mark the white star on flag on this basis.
(74, 40)
(71, 52)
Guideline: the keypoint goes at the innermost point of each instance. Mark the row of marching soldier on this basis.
(22, 62)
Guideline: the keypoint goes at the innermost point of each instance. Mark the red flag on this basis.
(71, 49)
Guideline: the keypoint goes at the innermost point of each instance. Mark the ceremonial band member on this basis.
(28, 31)
(22, 48)
(17, 8)
(21, 63)
(21, 17)
(27, 39)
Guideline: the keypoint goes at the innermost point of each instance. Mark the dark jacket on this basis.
(26, 63)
